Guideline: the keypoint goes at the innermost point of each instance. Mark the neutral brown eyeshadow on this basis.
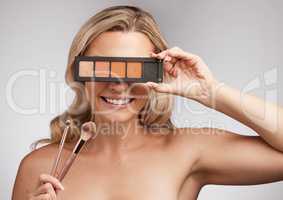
(102, 68)
(86, 69)
(118, 69)
(134, 69)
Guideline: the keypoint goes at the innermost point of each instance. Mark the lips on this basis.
(117, 101)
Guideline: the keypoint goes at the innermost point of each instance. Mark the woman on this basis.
(137, 152)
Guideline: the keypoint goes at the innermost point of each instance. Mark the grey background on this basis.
(241, 41)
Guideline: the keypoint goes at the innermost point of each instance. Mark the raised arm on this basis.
(235, 159)
(265, 118)
(227, 158)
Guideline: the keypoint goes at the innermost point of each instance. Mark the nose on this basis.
(118, 87)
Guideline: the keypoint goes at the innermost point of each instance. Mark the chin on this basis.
(117, 118)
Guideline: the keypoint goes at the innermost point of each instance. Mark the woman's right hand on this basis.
(47, 189)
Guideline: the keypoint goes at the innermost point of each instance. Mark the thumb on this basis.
(159, 87)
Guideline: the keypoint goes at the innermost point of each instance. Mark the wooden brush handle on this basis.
(67, 166)
(58, 156)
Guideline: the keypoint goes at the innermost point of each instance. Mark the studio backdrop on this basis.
(241, 42)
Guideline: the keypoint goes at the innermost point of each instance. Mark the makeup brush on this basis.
(87, 131)
(61, 145)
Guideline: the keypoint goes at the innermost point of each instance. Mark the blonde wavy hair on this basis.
(158, 108)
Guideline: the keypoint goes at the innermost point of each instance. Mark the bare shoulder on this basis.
(194, 142)
(37, 162)
(204, 135)
(38, 158)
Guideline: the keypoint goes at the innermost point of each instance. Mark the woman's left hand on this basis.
(190, 76)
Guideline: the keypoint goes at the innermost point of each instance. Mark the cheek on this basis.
(138, 90)
(141, 93)
(94, 88)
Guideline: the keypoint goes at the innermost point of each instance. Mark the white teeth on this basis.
(118, 101)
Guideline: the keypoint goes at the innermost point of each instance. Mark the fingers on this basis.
(172, 56)
(159, 87)
(46, 190)
(49, 185)
(169, 65)
(176, 53)
(169, 62)
(46, 178)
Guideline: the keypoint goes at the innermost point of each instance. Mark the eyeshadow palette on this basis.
(118, 69)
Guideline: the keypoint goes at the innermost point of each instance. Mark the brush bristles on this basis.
(68, 122)
(88, 130)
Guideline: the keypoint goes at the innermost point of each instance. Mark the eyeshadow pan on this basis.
(134, 69)
(102, 68)
(118, 69)
(86, 68)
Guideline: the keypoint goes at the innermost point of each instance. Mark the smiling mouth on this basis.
(117, 101)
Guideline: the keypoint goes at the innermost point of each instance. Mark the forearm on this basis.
(263, 117)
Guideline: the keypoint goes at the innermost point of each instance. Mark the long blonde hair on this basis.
(158, 108)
